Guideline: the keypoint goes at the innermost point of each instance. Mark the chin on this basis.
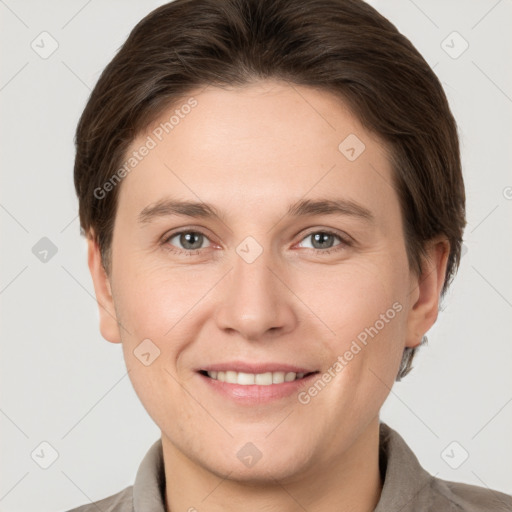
(277, 465)
(260, 474)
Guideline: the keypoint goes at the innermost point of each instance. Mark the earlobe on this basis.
(426, 290)
(109, 326)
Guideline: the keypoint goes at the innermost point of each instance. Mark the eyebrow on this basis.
(324, 206)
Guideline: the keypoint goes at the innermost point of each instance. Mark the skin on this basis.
(251, 152)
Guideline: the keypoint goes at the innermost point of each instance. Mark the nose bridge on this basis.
(255, 301)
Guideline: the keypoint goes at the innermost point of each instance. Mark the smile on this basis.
(260, 379)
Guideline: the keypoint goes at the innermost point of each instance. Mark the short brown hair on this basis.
(344, 47)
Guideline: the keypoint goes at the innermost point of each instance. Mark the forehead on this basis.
(258, 142)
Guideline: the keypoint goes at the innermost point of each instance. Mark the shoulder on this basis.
(408, 487)
(119, 502)
(467, 498)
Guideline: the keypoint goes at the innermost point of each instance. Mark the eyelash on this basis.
(344, 242)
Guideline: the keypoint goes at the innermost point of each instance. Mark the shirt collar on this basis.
(403, 476)
(149, 486)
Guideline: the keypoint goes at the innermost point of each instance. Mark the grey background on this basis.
(63, 384)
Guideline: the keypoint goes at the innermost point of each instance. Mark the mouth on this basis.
(258, 379)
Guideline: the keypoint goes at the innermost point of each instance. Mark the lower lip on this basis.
(254, 394)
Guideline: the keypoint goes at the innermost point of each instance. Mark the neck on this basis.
(348, 482)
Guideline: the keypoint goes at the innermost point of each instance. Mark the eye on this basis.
(190, 241)
(323, 240)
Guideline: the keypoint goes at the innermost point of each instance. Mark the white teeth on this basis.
(261, 379)
(240, 378)
(277, 377)
(230, 376)
(290, 376)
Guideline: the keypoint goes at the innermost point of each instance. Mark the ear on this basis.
(109, 326)
(426, 291)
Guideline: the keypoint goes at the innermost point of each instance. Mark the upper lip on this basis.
(241, 366)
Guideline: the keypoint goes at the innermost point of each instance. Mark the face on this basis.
(293, 261)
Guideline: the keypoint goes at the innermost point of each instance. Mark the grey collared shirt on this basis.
(407, 486)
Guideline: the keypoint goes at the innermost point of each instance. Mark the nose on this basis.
(255, 300)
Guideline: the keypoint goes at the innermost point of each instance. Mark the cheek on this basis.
(153, 301)
(156, 306)
(354, 295)
(147, 310)
(364, 305)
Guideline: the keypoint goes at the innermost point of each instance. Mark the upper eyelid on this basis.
(326, 230)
